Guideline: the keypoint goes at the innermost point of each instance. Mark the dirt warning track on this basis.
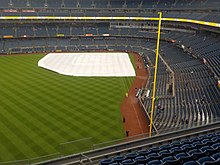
(135, 121)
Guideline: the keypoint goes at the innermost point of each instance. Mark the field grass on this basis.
(40, 109)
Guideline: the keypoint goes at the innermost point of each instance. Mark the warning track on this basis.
(135, 121)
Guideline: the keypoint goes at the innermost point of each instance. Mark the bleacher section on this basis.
(108, 4)
(199, 150)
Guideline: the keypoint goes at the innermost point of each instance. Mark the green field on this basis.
(40, 109)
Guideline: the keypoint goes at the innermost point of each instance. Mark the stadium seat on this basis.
(196, 154)
(114, 163)
(212, 162)
(155, 162)
(183, 157)
(187, 147)
(176, 150)
(119, 158)
(216, 156)
(106, 162)
(208, 150)
(170, 160)
(141, 159)
(131, 155)
(204, 159)
(165, 153)
(143, 152)
(192, 162)
(128, 162)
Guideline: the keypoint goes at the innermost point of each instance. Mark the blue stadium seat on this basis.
(208, 150)
(141, 159)
(216, 156)
(165, 153)
(196, 154)
(212, 162)
(143, 152)
(187, 147)
(170, 160)
(216, 146)
(119, 158)
(114, 163)
(183, 157)
(131, 155)
(155, 162)
(128, 162)
(106, 162)
(176, 150)
(204, 159)
(192, 162)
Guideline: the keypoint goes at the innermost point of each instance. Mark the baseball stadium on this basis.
(109, 82)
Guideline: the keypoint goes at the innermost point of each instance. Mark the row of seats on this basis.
(106, 4)
(200, 150)
(210, 17)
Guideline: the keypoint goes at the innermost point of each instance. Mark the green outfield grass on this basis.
(40, 109)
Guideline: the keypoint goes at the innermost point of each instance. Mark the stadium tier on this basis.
(187, 103)
(107, 4)
(199, 150)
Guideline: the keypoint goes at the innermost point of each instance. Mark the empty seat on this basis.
(106, 161)
(165, 153)
(141, 159)
(196, 153)
(183, 157)
(216, 156)
(155, 162)
(128, 162)
(143, 152)
(198, 144)
(166, 146)
(216, 146)
(187, 147)
(208, 150)
(155, 149)
(176, 150)
(114, 163)
(207, 141)
(176, 144)
(205, 159)
(153, 156)
(212, 162)
(192, 162)
(119, 158)
(170, 160)
(131, 155)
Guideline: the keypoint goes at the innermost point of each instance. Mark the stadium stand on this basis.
(187, 91)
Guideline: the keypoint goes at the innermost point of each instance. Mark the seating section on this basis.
(109, 3)
(103, 8)
(199, 150)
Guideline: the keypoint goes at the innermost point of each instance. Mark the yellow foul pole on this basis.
(155, 74)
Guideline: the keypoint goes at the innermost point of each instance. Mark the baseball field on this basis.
(40, 109)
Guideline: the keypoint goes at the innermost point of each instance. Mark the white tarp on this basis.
(89, 64)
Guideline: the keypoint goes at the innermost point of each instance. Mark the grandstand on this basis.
(187, 110)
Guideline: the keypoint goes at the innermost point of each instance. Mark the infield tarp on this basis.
(89, 64)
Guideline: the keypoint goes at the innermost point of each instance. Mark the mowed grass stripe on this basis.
(26, 133)
(32, 123)
(68, 108)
